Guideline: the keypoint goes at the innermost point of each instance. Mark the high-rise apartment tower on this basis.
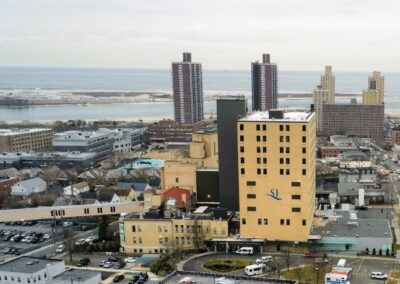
(187, 86)
(264, 79)
(376, 89)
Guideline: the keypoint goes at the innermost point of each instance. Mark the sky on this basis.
(351, 35)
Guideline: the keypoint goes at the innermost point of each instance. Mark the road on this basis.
(362, 266)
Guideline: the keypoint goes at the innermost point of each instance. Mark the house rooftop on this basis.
(77, 275)
(27, 264)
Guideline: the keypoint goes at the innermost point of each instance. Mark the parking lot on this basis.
(23, 237)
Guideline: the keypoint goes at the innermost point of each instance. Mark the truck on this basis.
(339, 274)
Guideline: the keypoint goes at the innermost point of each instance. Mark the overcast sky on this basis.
(222, 34)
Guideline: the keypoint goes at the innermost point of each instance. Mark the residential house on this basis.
(181, 195)
(27, 187)
(75, 189)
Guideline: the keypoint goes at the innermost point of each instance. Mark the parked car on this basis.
(119, 265)
(264, 259)
(114, 259)
(80, 242)
(84, 261)
(379, 276)
(130, 259)
(90, 239)
(245, 251)
(67, 224)
(118, 278)
(101, 263)
(108, 264)
(321, 260)
(60, 249)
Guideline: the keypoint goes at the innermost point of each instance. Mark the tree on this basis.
(387, 252)
(374, 251)
(69, 241)
(103, 229)
(287, 257)
(380, 252)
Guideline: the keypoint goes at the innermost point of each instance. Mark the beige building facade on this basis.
(376, 89)
(166, 235)
(26, 140)
(320, 96)
(328, 82)
(277, 160)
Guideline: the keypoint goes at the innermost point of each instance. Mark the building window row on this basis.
(262, 221)
(284, 139)
(258, 127)
(284, 127)
(284, 172)
(264, 171)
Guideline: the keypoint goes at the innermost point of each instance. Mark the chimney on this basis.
(187, 57)
(266, 58)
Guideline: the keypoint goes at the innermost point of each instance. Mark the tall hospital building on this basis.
(276, 157)
(187, 84)
(374, 95)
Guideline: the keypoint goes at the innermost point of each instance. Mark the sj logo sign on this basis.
(274, 193)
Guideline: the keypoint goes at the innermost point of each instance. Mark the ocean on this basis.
(159, 80)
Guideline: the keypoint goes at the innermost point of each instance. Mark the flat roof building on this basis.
(353, 120)
(38, 139)
(277, 168)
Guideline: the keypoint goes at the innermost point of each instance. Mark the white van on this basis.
(245, 251)
(255, 269)
(264, 259)
(341, 263)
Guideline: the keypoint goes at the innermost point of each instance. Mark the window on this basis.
(304, 128)
(242, 160)
(287, 127)
(241, 127)
(258, 149)
(258, 127)
(282, 221)
(182, 229)
(243, 221)
(296, 209)
(296, 196)
(304, 150)
(304, 222)
(264, 171)
(139, 228)
(304, 139)
(86, 210)
(159, 229)
(258, 160)
(241, 149)
(287, 172)
(287, 161)
(100, 210)
(251, 208)
(176, 179)
(281, 161)
(280, 138)
(304, 172)
(280, 127)
(251, 183)
(287, 221)
(287, 138)
(241, 138)
(264, 149)
(287, 150)
(112, 209)
(264, 160)
(259, 171)
(242, 171)
(258, 138)
(251, 196)
(281, 172)
(264, 127)
(264, 138)
(265, 221)
(259, 221)
(176, 228)
(296, 184)
(303, 161)
(133, 229)
(134, 240)
(281, 150)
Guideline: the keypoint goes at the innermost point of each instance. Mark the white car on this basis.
(90, 239)
(379, 276)
(130, 259)
(60, 249)
(46, 236)
(67, 224)
(108, 264)
(80, 242)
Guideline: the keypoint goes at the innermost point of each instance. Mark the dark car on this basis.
(120, 265)
(118, 278)
(84, 261)
(114, 259)
(134, 279)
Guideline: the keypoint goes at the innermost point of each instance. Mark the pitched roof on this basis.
(33, 182)
(105, 196)
(125, 185)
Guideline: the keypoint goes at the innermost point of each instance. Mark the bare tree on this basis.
(287, 257)
(69, 241)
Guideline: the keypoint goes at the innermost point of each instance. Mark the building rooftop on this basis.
(49, 155)
(285, 116)
(9, 132)
(77, 275)
(26, 264)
